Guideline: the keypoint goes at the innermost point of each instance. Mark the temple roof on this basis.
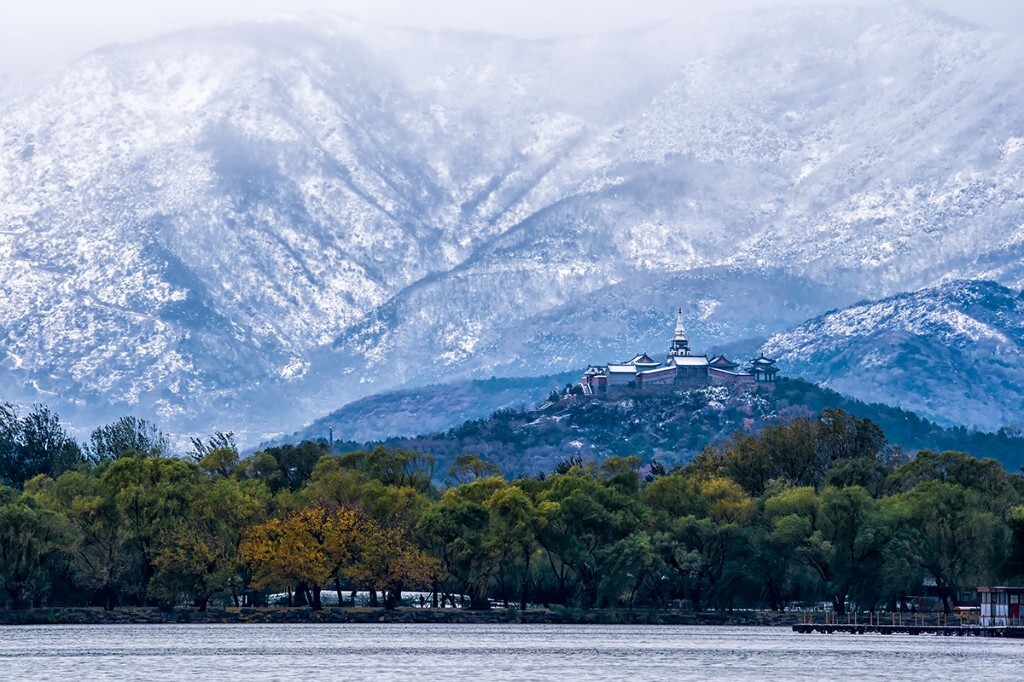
(721, 361)
(642, 359)
(690, 360)
(762, 360)
(657, 370)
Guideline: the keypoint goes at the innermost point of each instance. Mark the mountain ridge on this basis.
(246, 226)
(953, 353)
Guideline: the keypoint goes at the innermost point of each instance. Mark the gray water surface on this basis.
(491, 652)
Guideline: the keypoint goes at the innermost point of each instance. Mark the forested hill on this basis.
(672, 426)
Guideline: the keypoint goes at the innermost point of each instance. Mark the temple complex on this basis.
(680, 367)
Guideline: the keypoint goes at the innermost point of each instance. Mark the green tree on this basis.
(699, 521)
(199, 553)
(150, 495)
(102, 559)
(590, 518)
(128, 436)
(33, 545)
(954, 536)
(393, 467)
(1013, 567)
(841, 535)
(468, 468)
(514, 527)
(287, 466)
(34, 444)
(456, 531)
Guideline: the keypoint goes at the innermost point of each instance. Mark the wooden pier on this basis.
(1010, 631)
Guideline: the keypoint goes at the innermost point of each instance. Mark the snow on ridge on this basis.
(235, 200)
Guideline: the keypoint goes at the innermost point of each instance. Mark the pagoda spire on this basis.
(680, 346)
(680, 329)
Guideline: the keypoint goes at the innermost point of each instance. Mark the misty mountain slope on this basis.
(822, 192)
(436, 407)
(243, 227)
(954, 353)
(720, 305)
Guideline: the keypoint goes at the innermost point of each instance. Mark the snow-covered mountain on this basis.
(953, 353)
(244, 227)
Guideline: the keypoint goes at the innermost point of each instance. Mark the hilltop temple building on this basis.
(680, 367)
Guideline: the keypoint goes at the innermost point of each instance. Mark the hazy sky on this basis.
(44, 34)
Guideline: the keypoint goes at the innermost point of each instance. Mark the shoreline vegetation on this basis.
(363, 615)
(269, 615)
(819, 511)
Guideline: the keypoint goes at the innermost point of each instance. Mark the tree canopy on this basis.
(814, 509)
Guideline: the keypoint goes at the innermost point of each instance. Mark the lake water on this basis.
(492, 653)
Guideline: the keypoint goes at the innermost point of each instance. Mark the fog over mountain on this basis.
(245, 227)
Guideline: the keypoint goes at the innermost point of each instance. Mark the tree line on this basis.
(814, 509)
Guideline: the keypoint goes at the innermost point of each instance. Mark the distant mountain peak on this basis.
(954, 352)
(242, 227)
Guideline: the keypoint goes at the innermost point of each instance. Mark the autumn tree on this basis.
(387, 559)
(309, 547)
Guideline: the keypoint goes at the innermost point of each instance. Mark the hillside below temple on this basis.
(680, 367)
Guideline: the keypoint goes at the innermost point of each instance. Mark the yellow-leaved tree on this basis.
(303, 550)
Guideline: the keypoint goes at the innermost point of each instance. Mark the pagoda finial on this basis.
(680, 346)
(680, 329)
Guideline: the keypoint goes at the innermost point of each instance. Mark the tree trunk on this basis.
(373, 598)
(317, 604)
(478, 602)
(695, 600)
(302, 593)
(108, 598)
(201, 603)
(337, 588)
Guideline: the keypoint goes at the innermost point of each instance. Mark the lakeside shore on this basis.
(279, 615)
